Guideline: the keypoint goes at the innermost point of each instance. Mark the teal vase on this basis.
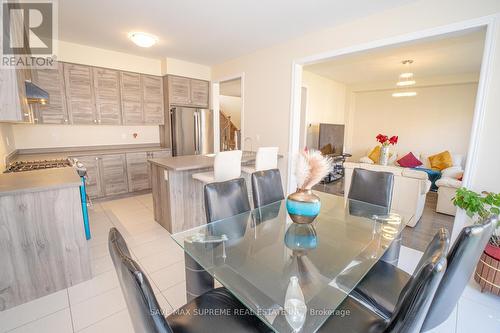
(303, 206)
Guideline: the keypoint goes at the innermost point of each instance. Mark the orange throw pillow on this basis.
(374, 155)
(441, 161)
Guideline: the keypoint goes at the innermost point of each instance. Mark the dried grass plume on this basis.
(311, 167)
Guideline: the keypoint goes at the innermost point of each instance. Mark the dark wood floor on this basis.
(418, 237)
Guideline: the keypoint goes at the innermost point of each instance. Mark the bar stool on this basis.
(227, 166)
(266, 159)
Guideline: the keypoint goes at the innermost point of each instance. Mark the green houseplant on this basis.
(480, 206)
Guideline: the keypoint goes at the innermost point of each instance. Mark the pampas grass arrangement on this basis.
(311, 167)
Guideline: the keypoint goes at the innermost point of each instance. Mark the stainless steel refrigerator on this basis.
(192, 131)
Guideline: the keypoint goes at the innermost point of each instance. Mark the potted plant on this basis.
(480, 206)
(385, 141)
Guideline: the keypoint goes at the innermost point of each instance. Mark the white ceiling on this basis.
(446, 55)
(204, 31)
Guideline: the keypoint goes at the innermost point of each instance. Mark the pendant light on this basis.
(406, 79)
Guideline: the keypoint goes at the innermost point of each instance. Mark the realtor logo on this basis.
(28, 33)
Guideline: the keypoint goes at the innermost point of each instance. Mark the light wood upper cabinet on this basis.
(114, 174)
(107, 96)
(179, 91)
(80, 94)
(52, 81)
(132, 103)
(153, 99)
(189, 92)
(199, 93)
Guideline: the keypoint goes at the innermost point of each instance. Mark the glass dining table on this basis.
(257, 254)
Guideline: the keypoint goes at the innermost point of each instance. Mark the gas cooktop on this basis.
(37, 165)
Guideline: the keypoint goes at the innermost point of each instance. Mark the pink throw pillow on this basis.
(409, 161)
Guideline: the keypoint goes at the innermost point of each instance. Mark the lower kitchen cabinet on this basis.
(93, 181)
(114, 174)
(138, 171)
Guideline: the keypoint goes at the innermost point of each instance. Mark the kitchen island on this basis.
(177, 197)
(42, 238)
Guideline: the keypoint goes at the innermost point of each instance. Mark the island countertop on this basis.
(38, 180)
(195, 162)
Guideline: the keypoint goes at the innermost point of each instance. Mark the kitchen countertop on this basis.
(65, 152)
(38, 180)
(195, 162)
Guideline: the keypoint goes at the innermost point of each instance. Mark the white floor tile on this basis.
(169, 276)
(101, 265)
(94, 287)
(165, 306)
(475, 317)
(119, 322)
(176, 295)
(449, 326)
(97, 308)
(408, 259)
(157, 261)
(58, 322)
(161, 245)
(27, 312)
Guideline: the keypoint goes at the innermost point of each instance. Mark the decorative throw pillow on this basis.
(374, 155)
(409, 161)
(441, 161)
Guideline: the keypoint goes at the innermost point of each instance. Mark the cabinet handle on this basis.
(95, 121)
(66, 120)
(99, 121)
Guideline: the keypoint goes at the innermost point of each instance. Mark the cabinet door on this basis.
(138, 171)
(93, 180)
(161, 153)
(52, 81)
(153, 99)
(199, 93)
(179, 90)
(131, 90)
(114, 174)
(80, 94)
(107, 96)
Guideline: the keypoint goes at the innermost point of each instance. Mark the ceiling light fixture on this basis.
(404, 94)
(143, 39)
(405, 80)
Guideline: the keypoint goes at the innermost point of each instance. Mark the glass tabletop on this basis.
(257, 255)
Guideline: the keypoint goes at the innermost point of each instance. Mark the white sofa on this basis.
(447, 186)
(410, 187)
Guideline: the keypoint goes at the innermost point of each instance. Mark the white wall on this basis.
(439, 118)
(326, 102)
(185, 68)
(231, 106)
(7, 143)
(268, 73)
(48, 136)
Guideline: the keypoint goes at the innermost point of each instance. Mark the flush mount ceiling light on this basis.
(143, 39)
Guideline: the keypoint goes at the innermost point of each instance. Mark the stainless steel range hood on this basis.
(35, 94)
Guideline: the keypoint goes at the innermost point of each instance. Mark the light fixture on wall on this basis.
(143, 39)
(406, 79)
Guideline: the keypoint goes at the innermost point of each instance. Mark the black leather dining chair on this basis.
(217, 309)
(266, 187)
(374, 187)
(225, 199)
(383, 284)
(413, 302)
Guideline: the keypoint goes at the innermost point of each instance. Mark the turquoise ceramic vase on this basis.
(303, 206)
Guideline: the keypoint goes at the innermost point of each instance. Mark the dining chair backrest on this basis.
(144, 310)
(462, 260)
(266, 187)
(266, 158)
(374, 187)
(226, 199)
(227, 165)
(416, 297)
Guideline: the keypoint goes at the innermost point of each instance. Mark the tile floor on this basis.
(97, 305)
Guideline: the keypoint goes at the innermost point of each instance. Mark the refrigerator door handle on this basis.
(200, 137)
(195, 118)
(173, 131)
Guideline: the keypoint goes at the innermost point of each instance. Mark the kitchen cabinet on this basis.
(152, 99)
(80, 94)
(132, 103)
(113, 174)
(52, 81)
(188, 92)
(138, 171)
(93, 180)
(107, 96)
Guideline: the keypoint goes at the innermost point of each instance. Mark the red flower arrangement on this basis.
(385, 140)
